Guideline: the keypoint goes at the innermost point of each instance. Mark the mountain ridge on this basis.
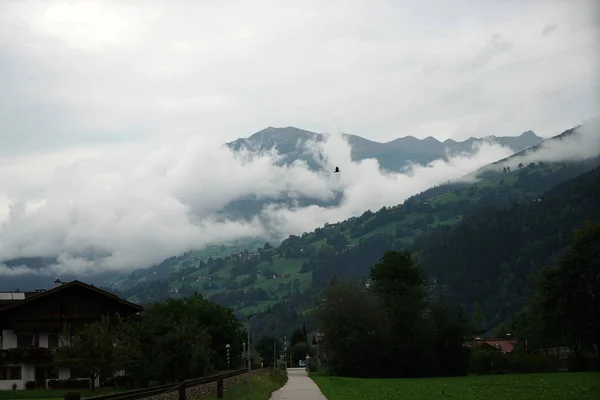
(301, 260)
(394, 155)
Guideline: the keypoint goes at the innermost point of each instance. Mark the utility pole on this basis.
(284, 351)
(244, 353)
(249, 347)
(274, 351)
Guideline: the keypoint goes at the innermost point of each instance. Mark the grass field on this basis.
(51, 394)
(558, 386)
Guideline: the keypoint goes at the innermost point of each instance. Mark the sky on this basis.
(112, 114)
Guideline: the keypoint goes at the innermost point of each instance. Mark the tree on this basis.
(268, 346)
(477, 318)
(92, 350)
(180, 339)
(450, 326)
(567, 295)
(355, 329)
(401, 284)
(297, 337)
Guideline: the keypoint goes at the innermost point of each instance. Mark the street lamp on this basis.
(249, 347)
(244, 353)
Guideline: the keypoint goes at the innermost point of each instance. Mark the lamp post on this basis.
(243, 353)
(249, 347)
(274, 352)
(307, 363)
(284, 351)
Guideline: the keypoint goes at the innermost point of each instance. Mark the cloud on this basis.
(98, 72)
(124, 208)
(583, 144)
(115, 210)
(112, 114)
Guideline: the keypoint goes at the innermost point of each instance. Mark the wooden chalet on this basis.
(31, 325)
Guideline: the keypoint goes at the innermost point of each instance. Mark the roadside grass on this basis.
(264, 382)
(550, 386)
(52, 394)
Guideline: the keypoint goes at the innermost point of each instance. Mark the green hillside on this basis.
(252, 280)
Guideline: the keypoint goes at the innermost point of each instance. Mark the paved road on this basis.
(298, 387)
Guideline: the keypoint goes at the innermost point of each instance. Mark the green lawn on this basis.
(51, 394)
(557, 386)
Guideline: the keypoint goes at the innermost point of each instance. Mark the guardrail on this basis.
(137, 394)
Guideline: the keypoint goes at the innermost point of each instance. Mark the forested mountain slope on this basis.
(487, 258)
(248, 281)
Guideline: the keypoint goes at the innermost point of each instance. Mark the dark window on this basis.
(52, 341)
(65, 308)
(27, 340)
(10, 373)
(80, 309)
(52, 373)
(77, 373)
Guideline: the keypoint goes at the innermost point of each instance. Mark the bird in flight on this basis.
(337, 169)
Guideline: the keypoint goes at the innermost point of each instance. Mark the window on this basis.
(27, 340)
(78, 373)
(65, 308)
(52, 341)
(52, 373)
(80, 308)
(10, 373)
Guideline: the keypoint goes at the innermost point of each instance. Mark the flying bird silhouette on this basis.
(337, 169)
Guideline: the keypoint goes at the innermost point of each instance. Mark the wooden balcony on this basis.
(33, 355)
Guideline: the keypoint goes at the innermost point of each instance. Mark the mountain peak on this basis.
(529, 134)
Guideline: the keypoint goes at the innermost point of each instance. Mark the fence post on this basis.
(182, 394)
(220, 388)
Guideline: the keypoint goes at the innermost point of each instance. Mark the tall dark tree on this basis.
(356, 335)
(401, 284)
(450, 326)
(568, 294)
(267, 348)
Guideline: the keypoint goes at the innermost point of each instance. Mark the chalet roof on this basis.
(506, 345)
(10, 298)
(34, 296)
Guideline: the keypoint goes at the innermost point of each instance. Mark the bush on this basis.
(524, 364)
(124, 381)
(69, 384)
(583, 364)
(488, 361)
(30, 385)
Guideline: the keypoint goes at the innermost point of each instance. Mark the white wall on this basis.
(27, 374)
(43, 341)
(9, 339)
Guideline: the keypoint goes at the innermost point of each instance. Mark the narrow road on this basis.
(298, 387)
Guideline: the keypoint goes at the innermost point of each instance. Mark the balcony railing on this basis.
(31, 354)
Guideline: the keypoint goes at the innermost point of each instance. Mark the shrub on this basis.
(523, 364)
(30, 385)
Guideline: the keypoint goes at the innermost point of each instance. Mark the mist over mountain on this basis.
(392, 156)
(114, 213)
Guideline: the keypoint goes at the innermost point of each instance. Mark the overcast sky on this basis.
(82, 73)
(112, 113)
